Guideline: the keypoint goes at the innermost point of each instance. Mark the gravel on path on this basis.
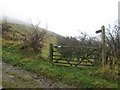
(39, 80)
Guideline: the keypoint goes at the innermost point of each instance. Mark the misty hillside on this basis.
(18, 32)
(27, 47)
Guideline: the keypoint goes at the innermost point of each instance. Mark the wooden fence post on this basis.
(104, 45)
(51, 51)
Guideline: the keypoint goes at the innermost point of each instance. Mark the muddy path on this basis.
(13, 77)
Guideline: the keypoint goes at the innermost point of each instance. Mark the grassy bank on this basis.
(82, 77)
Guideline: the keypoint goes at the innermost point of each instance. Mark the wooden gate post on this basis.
(104, 45)
(51, 51)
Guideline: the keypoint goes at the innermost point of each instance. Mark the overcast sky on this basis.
(64, 17)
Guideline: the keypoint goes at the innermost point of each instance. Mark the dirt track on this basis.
(23, 79)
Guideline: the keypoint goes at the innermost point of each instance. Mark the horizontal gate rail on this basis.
(57, 55)
(61, 62)
(75, 47)
(65, 59)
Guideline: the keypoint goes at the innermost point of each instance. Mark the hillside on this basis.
(17, 34)
(18, 53)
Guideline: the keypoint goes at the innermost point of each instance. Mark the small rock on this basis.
(50, 84)
(1, 87)
(35, 77)
(11, 76)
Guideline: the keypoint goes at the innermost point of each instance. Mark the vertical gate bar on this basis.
(51, 51)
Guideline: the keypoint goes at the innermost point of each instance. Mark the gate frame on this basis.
(52, 51)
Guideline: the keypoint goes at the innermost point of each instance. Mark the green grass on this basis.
(82, 77)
